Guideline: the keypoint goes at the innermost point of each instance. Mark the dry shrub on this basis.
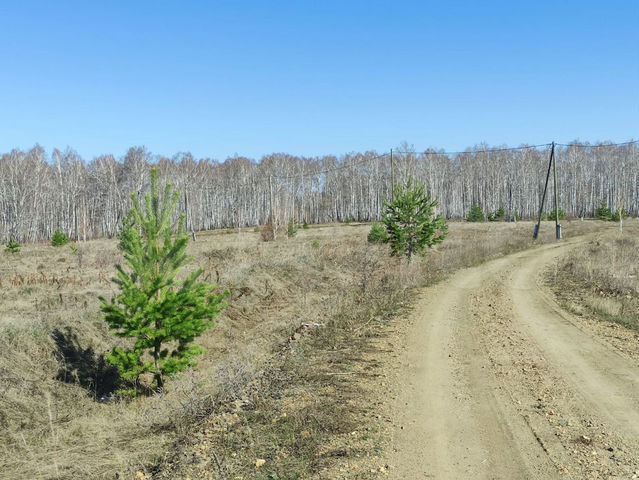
(268, 233)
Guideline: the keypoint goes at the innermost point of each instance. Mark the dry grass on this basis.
(310, 411)
(292, 398)
(602, 277)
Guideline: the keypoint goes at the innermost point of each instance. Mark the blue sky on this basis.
(312, 78)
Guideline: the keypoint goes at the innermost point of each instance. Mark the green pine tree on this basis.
(603, 212)
(59, 239)
(411, 223)
(13, 246)
(476, 214)
(377, 233)
(160, 312)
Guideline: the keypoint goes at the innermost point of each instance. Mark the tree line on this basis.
(41, 193)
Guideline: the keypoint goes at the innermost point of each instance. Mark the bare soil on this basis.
(498, 381)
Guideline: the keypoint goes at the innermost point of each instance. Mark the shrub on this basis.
(411, 223)
(13, 246)
(476, 214)
(378, 233)
(59, 238)
(497, 216)
(305, 226)
(619, 215)
(551, 215)
(603, 212)
(162, 314)
(268, 233)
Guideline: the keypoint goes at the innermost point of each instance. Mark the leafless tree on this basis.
(39, 194)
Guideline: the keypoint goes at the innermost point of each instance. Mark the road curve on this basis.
(497, 382)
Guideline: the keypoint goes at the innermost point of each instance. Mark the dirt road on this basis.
(497, 382)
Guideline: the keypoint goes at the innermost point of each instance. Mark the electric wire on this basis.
(267, 178)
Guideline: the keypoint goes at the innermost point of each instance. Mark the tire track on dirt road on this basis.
(498, 383)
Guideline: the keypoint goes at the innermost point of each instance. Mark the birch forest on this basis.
(41, 193)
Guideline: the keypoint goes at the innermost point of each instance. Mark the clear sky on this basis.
(219, 78)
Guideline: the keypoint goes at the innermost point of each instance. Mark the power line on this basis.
(526, 147)
(489, 150)
(599, 145)
(255, 182)
(334, 169)
(344, 166)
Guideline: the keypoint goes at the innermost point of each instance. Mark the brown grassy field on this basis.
(599, 283)
(278, 381)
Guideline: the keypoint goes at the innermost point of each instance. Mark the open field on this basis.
(292, 373)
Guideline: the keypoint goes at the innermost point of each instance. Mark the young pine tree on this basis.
(411, 222)
(476, 214)
(160, 312)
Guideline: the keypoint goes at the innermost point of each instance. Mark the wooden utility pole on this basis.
(554, 175)
(543, 198)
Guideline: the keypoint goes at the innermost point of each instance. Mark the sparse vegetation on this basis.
(602, 279)
(13, 246)
(59, 239)
(476, 214)
(276, 288)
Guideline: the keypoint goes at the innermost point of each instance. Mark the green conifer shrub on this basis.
(161, 313)
(377, 233)
(497, 216)
(476, 214)
(59, 239)
(551, 215)
(13, 246)
(411, 223)
(603, 212)
(619, 215)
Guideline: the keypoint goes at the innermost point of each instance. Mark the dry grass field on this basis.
(279, 381)
(602, 278)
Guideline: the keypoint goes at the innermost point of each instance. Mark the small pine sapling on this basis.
(411, 223)
(59, 239)
(476, 214)
(377, 233)
(162, 314)
(603, 212)
(497, 216)
(13, 246)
